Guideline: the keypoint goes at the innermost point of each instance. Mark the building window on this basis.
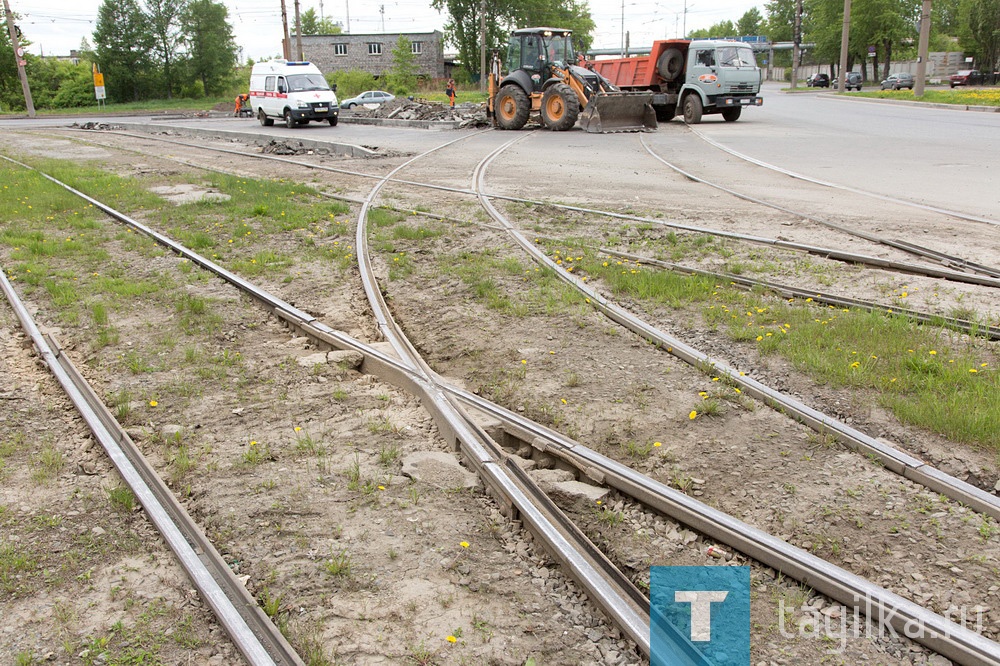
(416, 48)
(374, 48)
(340, 49)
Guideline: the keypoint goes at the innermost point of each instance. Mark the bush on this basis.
(351, 83)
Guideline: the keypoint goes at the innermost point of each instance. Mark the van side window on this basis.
(269, 83)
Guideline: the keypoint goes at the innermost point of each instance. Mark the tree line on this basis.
(160, 49)
(887, 29)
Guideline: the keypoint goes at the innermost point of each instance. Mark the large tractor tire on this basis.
(670, 64)
(733, 114)
(512, 108)
(264, 120)
(665, 113)
(692, 109)
(560, 107)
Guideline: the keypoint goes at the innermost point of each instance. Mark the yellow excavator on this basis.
(543, 78)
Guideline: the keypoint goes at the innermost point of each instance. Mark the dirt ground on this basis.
(294, 462)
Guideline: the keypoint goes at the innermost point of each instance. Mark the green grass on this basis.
(926, 375)
(959, 96)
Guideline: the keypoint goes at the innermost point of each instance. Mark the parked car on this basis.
(965, 77)
(368, 97)
(853, 80)
(898, 80)
(818, 81)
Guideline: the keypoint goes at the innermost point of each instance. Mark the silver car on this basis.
(368, 97)
(898, 80)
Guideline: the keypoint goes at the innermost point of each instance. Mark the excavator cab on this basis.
(542, 78)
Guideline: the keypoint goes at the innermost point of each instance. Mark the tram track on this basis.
(954, 268)
(305, 322)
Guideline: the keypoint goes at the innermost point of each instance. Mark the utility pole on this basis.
(796, 43)
(286, 41)
(845, 34)
(298, 34)
(19, 58)
(922, 46)
(482, 46)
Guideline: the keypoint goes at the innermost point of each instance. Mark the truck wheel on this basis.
(264, 120)
(670, 64)
(732, 115)
(333, 121)
(560, 107)
(692, 109)
(512, 108)
(665, 113)
(289, 121)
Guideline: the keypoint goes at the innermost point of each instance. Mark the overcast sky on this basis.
(56, 26)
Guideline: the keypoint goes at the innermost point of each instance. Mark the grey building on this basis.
(372, 53)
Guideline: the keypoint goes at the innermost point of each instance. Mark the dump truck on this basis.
(545, 78)
(697, 77)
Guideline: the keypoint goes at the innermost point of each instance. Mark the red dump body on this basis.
(640, 71)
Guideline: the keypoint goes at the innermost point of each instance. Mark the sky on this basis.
(56, 26)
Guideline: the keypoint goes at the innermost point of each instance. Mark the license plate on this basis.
(320, 109)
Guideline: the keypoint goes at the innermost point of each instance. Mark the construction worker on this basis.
(450, 92)
(240, 101)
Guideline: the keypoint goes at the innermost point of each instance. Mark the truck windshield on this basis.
(736, 56)
(560, 48)
(301, 82)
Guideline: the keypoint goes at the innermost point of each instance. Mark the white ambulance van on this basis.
(295, 92)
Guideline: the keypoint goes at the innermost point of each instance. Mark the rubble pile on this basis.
(467, 114)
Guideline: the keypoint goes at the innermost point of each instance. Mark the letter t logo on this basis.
(701, 611)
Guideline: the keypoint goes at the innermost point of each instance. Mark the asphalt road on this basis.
(948, 158)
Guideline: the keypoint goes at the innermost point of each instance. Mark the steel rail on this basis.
(911, 248)
(254, 635)
(828, 253)
(901, 463)
(846, 188)
(969, 327)
(946, 638)
(938, 633)
(605, 585)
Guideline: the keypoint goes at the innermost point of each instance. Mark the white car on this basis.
(368, 97)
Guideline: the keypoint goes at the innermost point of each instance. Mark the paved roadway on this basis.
(948, 158)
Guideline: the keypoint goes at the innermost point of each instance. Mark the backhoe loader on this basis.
(543, 78)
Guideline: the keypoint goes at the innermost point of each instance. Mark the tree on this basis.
(750, 24)
(211, 46)
(164, 23)
(981, 35)
(402, 78)
(721, 29)
(123, 41)
(462, 27)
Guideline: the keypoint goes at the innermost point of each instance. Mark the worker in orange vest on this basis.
(240, 101)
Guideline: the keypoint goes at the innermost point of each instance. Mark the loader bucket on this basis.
(619, 112)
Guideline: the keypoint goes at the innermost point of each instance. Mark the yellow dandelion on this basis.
(973, 370)
(153, 403)
(298, 428)
(381, 487)
(451, 639)
(464, 544)
(657, 444)
(932, 353)
(693, 415)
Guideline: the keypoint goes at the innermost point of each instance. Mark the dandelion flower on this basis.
(693, 415)
(657, 444)
(464, 544)
(298, 428)
(153, 403)
(451, 639)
